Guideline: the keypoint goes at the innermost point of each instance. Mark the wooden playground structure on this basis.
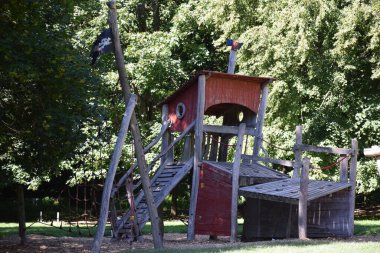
(277, 205)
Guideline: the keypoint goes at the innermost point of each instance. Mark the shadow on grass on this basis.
(367, 227)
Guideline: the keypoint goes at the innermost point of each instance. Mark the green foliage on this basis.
(44, 86)
(325, 56)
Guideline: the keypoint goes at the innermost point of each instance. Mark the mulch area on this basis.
(43, 244)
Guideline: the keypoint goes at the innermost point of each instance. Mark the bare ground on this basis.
(43, 244)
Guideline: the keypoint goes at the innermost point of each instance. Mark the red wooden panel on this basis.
(221, 90)
(213, 214)
(189, 98)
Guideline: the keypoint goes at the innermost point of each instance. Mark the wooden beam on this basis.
(374, 151)
(353, 164)
(232, 62)
(168, 148)
(297, 153)
(329, 150)
(235, 183)
(260, 118)
(111, 174)
(197, 156)
(164, 127)
(227, 130)
(188, 148)
(343, 169)
(135, 231)
(214, 147)
(269, 160)
(119, 57)
(166, 135)
(302, 205)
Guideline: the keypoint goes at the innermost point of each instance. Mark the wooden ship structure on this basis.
(277, 205)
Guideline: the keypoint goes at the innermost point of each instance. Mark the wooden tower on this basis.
(239, 100)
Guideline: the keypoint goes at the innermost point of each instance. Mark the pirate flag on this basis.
(102, 45)
(234, 44)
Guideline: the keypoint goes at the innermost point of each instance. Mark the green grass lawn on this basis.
(362, 227)
(314, 246)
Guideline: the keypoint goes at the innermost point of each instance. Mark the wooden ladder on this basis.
(163, 182)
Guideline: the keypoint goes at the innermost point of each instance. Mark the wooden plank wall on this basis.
(329, 215)
(213, 214)
(326, 217)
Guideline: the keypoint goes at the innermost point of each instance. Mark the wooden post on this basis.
(113, 216)
(111, 175)
(135, 231)
(302, 204)
(214, 147)
(232, 61)
(112, 19)
(188, 149)
(165, 137)
(235, 183)
(353, 165)
(260, 118)
(298, 153)
(197, 156)
(343, 169)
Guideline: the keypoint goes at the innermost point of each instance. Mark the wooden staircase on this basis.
(163, 182)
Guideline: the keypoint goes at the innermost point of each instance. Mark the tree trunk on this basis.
(156, 15)
(21, 214)
(141, 17)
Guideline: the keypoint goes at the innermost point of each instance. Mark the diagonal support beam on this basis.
(111, 173)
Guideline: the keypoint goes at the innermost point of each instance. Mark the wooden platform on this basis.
(288, 190)
(251, 173)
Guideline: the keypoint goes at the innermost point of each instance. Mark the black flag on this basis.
(102, 45)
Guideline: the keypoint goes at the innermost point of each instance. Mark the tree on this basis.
(325, 57)
(45, 85)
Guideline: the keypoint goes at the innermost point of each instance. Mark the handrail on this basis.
(285, 163)
(164, 127)
(183, 134)
(337, 151)
(227, 129)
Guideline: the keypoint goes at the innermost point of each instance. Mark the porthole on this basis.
(180, 110)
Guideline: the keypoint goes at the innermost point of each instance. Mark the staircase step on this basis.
(164, 179)
(162, 183)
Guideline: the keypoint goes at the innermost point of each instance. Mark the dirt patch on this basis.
(43, 244)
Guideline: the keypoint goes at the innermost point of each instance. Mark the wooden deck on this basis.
(250, 173)
(288, 190)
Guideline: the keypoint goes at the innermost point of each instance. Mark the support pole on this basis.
(298, 153)
(197, 156)
(353, 165)
(232, 62)
(260, 118)
(166, 135)
(111, 174)
(119, 57)
(235, 183)
(152, 208)
(302, 204)
(343, 169)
